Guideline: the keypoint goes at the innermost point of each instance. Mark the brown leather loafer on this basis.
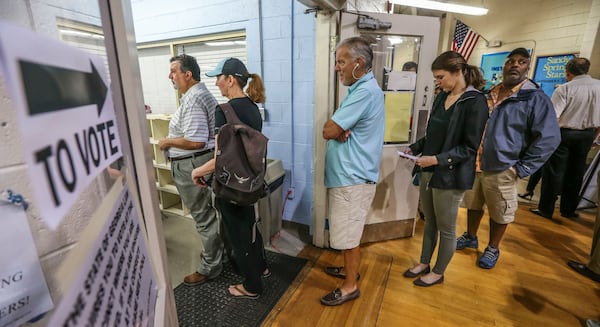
(337, 272)
(336, 297)
(195, 279)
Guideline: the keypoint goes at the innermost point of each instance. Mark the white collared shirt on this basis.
(577, 103)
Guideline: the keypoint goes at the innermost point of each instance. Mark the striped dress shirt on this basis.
(194, 119)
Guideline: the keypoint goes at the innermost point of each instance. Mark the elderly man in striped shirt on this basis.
(190, 144)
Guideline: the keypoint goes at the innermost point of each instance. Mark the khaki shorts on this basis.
(473, 198)
(497, 190)
(348, 208)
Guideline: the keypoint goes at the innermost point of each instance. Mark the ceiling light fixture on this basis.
(81, 33)
(449, 7)
(219, 43)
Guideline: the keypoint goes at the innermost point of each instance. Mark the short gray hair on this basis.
(358, 47)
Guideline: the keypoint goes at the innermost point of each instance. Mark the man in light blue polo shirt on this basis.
(354, 146)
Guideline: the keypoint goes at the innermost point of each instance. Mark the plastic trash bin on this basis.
(270, 207)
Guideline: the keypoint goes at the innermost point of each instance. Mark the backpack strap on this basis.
(256, 221)
(230, 114)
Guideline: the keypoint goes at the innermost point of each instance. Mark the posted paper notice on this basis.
(23, 290)
(115, 284)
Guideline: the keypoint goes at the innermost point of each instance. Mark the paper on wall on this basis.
(23, 290)
(63, 102)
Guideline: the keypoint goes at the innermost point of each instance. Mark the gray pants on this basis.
(199, 201)
(440, 207)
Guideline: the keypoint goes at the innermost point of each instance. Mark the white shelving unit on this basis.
(170, 201)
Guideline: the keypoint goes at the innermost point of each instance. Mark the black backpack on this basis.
(241, 161)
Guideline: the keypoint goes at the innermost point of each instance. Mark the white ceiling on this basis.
(378, 5)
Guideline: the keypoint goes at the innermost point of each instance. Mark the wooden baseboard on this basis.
(388, 230)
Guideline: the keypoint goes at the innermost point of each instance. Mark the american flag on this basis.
(464, 40)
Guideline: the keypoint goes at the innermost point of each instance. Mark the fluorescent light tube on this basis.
(219, 43)
(449, 7)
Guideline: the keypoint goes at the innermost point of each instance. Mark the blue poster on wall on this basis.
(491, 66)
(550, 71)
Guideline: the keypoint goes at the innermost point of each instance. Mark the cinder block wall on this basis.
(287, 38)
(52, 245)
(552, 27)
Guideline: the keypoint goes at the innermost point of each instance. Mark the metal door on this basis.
(408, 97)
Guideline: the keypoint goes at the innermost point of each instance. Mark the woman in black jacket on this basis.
(447, 159)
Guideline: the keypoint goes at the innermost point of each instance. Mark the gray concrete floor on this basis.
(184, 247)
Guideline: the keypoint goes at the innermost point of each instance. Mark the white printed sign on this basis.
(23, 290)
(115, 285)
(65, 109)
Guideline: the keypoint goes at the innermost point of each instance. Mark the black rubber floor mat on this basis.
(210, 304)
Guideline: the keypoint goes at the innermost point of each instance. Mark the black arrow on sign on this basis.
(50, 88)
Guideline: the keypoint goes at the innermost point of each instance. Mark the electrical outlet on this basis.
(291, 193)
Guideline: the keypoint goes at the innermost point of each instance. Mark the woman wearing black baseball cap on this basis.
(239, 221)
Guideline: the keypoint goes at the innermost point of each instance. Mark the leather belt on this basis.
(193, 155)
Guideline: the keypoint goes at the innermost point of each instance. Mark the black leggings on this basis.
(238, 223)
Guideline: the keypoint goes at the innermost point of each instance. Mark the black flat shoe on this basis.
(584, 270)
(410, 274)
(540, 213)
(573, 215)
(420, 282)
(527, 195)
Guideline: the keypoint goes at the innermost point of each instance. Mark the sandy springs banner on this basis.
(550, 71)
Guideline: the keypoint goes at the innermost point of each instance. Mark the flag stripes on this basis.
(464, 40)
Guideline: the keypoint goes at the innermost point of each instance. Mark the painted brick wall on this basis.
(551, 26)
(290, 102)
(591, 39)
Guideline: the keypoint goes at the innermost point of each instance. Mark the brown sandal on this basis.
(238, 291)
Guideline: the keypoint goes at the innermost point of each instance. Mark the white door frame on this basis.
(121, 48)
